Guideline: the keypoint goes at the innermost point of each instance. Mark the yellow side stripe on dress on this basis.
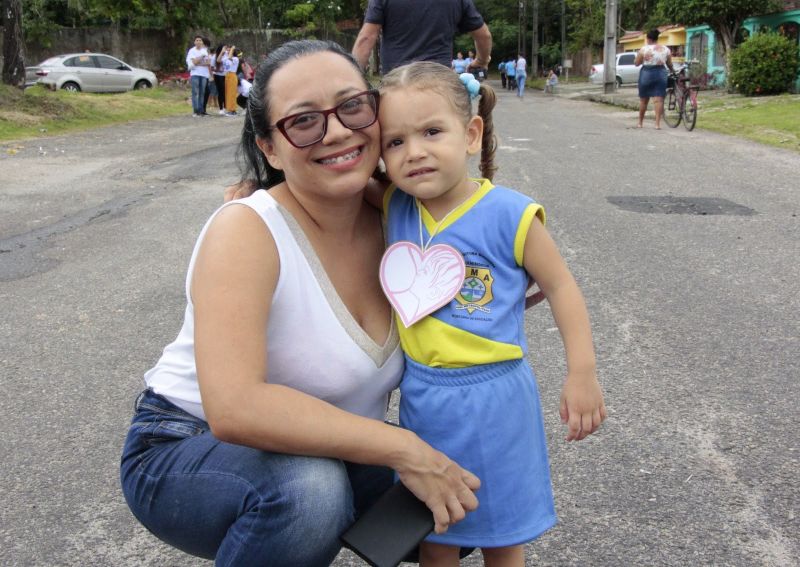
(531, 211)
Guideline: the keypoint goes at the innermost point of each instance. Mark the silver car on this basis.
(627, 73)
(89, 72)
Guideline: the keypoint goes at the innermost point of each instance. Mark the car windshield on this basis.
(49, 61)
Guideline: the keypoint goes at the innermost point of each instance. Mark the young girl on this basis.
(467, 388)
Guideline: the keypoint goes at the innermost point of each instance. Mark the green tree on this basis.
(586, 27)
(724, 18)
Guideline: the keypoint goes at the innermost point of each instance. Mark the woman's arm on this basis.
(232, 287)
(639, 58)
(582, 406)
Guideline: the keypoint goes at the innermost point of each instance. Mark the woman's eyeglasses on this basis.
(307, 128)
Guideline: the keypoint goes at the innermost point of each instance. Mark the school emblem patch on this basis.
(476, 291)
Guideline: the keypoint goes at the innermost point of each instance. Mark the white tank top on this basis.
(313, 343)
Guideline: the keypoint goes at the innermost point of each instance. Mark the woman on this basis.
(230, 64)
(655, 59)
(218, 70)
(459, 64)
(260, 436)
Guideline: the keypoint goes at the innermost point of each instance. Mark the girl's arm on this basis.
(582, 406)
(232, 288)
(639, 58)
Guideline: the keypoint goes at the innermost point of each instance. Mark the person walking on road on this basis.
(655, 59)
(260, 435)
(421, 30)
(198, 61)
(511, 73)
(521, 74)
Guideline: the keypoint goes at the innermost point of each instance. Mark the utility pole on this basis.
(522, 26)
(563, 33)
(610, 48)
(535, 39)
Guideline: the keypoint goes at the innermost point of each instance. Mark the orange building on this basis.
(673, 36)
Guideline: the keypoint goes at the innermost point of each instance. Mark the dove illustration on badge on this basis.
(418, 282)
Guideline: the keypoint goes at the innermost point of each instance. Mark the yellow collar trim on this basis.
(431, 224)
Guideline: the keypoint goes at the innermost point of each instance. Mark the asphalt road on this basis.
(685, 245)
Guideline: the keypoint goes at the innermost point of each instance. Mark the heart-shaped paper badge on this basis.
(418, 283)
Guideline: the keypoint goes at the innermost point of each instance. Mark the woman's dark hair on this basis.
(653, 34)
(218, 59)
(431, 76)
(253, 163)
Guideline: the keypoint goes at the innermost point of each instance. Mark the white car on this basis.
(89, 72)
(627, 72)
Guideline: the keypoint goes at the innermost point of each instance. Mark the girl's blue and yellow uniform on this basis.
(467, 389)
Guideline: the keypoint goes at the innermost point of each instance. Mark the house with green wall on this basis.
(701, 43)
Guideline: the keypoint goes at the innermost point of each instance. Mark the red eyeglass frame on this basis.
(280, 124)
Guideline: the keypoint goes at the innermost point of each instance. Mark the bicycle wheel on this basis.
(689, 112)
(672, 109)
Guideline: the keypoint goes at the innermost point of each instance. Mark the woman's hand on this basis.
(444, 487)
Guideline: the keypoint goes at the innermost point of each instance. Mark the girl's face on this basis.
(339, 165)
(426, 145)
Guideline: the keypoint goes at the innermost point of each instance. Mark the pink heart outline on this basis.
(417, 283)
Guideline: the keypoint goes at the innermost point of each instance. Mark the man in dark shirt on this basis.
(421, 30)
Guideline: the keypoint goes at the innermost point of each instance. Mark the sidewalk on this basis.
(626, 96)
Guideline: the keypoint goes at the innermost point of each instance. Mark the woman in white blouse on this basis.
(655, 59)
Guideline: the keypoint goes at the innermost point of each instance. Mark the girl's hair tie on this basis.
(471, 83)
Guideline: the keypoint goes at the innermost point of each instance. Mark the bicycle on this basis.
(681, 100)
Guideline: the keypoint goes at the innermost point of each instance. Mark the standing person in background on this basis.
(207, 91)
(218, 70)
(511, 72)
(470, 58)
(459, 64)
(655, 59)
(420, 30)
(520, 66)
(230, 64)
(197, 61)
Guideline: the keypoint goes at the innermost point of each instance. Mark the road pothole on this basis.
(672, 205)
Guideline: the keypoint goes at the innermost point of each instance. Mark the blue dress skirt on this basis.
(652, 81)
(488, 419)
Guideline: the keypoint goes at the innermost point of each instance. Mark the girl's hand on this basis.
(582, 406)
(444, 487)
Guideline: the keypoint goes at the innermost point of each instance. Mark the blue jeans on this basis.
(235, 504)
(521, 83)
(198, 93)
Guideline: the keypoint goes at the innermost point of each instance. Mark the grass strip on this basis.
(769, 120)
(38, 111)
